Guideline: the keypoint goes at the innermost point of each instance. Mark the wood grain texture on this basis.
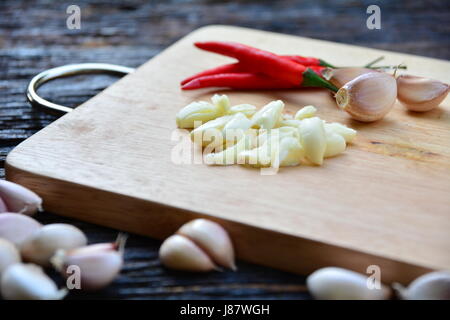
(130, 33)
(350, 212)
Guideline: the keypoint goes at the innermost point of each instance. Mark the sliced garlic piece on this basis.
(221, 102)
(268, 116)
(335, 144)
(305, 112)
(210, 133)
(197, 111)
(347, 133)
(247, 109)
(313, 139)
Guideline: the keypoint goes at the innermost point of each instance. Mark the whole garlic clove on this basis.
(369, 97)
(99, 263)
(28, 282)
(420, 94)
(305, 112)
(3, 207)
(43, 244)
(180, 253)
(430, 286)
(197, 111)
(19, 199)
(247, 109)
(313, 139)
(333, 283)
(213, 239)
(339, 77)
(268, 116)
(8, 254)
(16, 227)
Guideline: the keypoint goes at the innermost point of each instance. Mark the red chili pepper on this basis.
(259, 61)
(243, 80)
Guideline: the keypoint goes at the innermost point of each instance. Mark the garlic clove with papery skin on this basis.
(19, 199)
(17, 228)
(340, 76)
(99, 263)
(368, 97)
(430, 286)
(8, 254)
(213, 239)
(420, 94)
(334, 283)
(43, 244)
(28, 282)
(180, 253)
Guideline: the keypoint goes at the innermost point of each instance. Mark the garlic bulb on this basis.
(212, 238)
(333, 283)
(369, 97)
(42, 245)
(339, 77)
(420, 94)
(3, 207)
(180, 253)
(430, 286)
(268, 116)
(313, 139)
(28, 282)
(16, 227)
(8, 254)
(19, 199)
(99, 263)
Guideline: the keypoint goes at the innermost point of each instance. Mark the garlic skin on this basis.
(99, 263)
(369, 97)
(305, 112)
(334, 283)
(430, 286)
(19, 199)
(180, 253)
(17, 228)
(268, 116)
(28, 282)
(43, 244)
(339, 77)
(247, 109)
(420, 94)
(313, 139)
(8, 254)
(213, 239)
(3, 207)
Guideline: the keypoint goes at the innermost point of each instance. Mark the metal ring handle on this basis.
(66, 71)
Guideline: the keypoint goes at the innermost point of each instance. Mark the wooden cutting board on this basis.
(385, 201)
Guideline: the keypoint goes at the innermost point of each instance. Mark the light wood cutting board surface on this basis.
(385, 201)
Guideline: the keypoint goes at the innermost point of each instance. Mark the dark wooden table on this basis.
(34, 37)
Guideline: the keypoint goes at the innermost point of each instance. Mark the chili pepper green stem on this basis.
(312, 79)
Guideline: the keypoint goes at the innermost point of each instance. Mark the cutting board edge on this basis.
(303, 256)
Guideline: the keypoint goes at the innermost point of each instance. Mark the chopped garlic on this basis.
(230, 155)
(347, 133)
(335, 144)
(247, 109)
(305, 112)
(210, 132)
(290, 123)
(268, 116)
(197, 111)
(313, 139)
(221, 102)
